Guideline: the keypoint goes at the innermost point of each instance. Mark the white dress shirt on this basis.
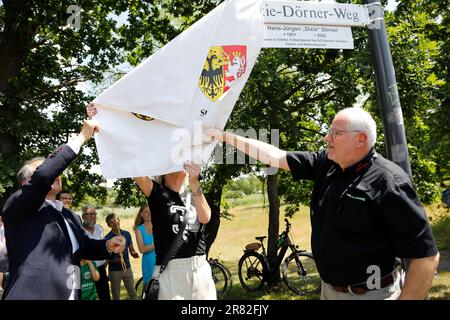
(3, 250)
(96, 235)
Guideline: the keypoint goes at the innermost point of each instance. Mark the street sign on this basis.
(316, 13)
(307, 36)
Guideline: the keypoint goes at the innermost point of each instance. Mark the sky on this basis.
(392, 5)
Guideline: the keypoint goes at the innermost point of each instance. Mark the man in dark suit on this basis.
(45, 241)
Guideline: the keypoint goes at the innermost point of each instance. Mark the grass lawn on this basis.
(251, 220)
(440, 220)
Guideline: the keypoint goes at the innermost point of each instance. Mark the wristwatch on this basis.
(199, 192)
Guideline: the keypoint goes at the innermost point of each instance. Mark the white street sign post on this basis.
(308, 12)
(307, 36)
(307, 24)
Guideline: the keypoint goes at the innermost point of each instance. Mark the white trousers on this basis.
(187, 279)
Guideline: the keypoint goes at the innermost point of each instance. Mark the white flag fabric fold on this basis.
(197, 77)
(135, 149)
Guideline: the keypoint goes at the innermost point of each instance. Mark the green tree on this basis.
(418, 34)
(431, 20)
(44, 62)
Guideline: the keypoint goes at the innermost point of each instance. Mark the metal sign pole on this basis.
(391, 112)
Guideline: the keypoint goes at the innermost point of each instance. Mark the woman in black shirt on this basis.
(188, 274)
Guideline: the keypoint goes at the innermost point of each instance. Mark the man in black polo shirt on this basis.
(364, 212)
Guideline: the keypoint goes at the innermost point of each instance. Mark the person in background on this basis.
(119, 267)
(144, 239)
(67, 199)
(89, 276)
(95, 231)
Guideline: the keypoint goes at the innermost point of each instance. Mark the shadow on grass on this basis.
(280, 292)
(440, 292)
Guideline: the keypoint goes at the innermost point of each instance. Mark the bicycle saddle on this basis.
(260, 238)
(253, 246)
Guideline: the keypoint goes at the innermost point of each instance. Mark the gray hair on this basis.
(27, 170)
(361, 120)
(88, 206)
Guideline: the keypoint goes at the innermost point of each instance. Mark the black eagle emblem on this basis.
(211, 79)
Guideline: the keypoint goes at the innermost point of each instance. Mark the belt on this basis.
(362, 288)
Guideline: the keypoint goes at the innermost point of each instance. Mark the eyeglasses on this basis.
(66, 198)
(336, 133)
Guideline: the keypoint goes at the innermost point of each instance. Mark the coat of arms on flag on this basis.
(223, 66)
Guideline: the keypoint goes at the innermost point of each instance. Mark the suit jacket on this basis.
(37, 239)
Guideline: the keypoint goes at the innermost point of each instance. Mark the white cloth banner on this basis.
(149, 118)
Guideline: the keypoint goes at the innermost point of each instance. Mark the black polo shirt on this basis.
(168, 209)
(363, 216)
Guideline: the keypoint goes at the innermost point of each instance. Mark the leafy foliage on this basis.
(45, 64)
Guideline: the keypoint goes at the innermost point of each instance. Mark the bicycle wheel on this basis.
(221, 277)
(251, 271)
(139, 287)
(300, 274)
(230, 279)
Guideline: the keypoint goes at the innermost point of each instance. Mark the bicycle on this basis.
(139, 287)
(298, 269)
(220, 274)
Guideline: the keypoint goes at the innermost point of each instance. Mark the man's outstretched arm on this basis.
(264, 152)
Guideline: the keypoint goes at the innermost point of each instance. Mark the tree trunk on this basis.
(212, 228)
(15, 40)
(15, 43)
(274, 226)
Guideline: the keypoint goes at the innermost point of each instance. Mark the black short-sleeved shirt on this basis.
(167, 206)
(363, 216)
